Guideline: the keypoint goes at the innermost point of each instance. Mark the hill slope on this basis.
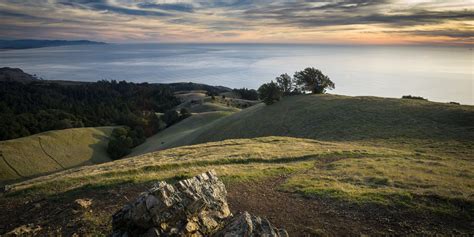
(343, 118)
(181, 132)
(52, 151)
(351, 189)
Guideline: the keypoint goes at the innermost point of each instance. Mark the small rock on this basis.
(83, 203)
(24, 230)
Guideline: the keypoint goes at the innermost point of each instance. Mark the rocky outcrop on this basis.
(192, 207)
(245, 224)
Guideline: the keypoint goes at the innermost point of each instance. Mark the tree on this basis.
(313, 80)
(247, 94)
(285, 83)
(269, 93)
(120, 143)
(184, 113)
(170, 117)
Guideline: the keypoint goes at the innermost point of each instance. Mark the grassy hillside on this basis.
(402, 184)
(208, 107)
(313, 164)
(355, 119)
(181, 132)
(52, 151)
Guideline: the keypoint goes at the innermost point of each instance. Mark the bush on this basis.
(184, 113)
(413, 97)
(170, 117)
(122, 141)
(269, 93)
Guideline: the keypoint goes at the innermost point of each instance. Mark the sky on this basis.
(242, 21)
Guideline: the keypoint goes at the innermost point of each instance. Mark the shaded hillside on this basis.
(344, 118)
(179, 133)
(52, 151)
(8, 74)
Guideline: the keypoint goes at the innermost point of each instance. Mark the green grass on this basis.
(209, 107)
(363, 120)
(408, 180)
(179, 132)
(409, 153)
(52, 151)
(353, 173)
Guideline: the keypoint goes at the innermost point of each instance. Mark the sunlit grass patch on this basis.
(416, 182)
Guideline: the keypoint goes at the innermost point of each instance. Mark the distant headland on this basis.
(35, 43)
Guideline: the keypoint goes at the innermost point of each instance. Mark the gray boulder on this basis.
(192, 207)
(246, 224)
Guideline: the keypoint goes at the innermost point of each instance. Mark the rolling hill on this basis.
(313, 164)
(178, 133)
(366, 120)
(52, 151)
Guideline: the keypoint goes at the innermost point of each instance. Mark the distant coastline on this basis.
(33, 43)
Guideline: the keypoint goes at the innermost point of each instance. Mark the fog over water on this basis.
(437, 73)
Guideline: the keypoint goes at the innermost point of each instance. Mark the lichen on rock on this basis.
(192, 207)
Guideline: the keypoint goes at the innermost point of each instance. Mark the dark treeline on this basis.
(247, 94)
(189, 86)
(31, 108)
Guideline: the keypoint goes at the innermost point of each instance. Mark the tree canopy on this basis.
(31, 108)
(312, 79)
(269, 93)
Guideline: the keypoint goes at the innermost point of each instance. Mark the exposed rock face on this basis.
(193, 207)
(245, 224)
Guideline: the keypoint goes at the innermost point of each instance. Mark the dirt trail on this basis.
(302, 216)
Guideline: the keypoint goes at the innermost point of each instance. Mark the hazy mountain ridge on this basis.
(33, 43)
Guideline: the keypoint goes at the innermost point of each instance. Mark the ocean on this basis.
(441, 74)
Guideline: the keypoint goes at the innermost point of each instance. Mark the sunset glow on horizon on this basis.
(242, 21)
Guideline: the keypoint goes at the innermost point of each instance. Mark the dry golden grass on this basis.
(52, 151)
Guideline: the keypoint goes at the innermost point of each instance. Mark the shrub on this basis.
(122, 141)
(413, 97)
(184, 113)
(170, 117)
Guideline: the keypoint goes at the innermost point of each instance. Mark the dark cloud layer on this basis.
(224, 16)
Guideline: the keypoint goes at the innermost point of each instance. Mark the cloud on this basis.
(180, 7)
(238, 20)
(102, 5)
(351, 12)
